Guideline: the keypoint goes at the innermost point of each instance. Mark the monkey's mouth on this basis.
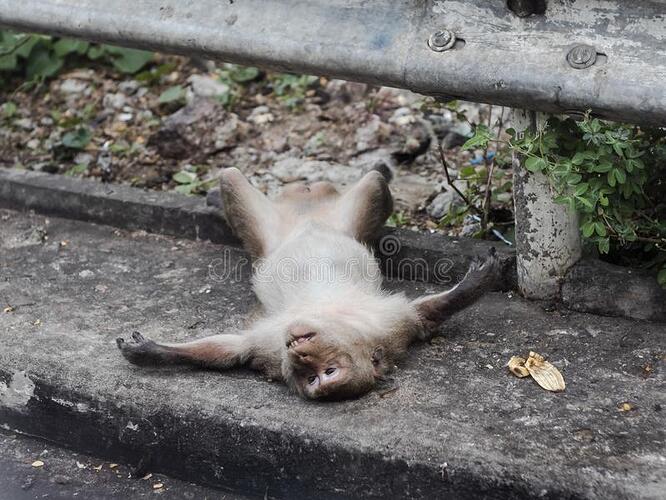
(295, 341)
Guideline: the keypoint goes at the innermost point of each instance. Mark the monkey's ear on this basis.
(378, 361)
(480, 278)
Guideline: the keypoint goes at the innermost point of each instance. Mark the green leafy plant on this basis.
(291, 89)
(190, 183)
(398, 219)
(37, 57)
(78, 138)
(175, 94)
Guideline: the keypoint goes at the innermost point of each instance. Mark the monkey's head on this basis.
(322, 364)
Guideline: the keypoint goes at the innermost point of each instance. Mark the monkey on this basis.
(327, 337)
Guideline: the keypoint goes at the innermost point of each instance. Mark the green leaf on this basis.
(573, 179)
(77, 139)
(172, 94)
(604, 245)
(66, 46)
(128, 60)
(95, 52)
(8, 62)
(585, 202)
(467, 172)
(602, 167)
(42, 64)
(587, 229)
(184, 177)
(535, 164)
(184, 188)
(600, 229)
(25, 49)
(480, 139)
(611, 179)
(581, 189)
(578, 159)
(617, 147)
(620, 175)
(242, 74)
(9, 109)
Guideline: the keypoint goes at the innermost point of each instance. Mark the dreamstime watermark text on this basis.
(389, 261)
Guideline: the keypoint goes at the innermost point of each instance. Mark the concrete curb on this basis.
(404, 254)
(452, 424)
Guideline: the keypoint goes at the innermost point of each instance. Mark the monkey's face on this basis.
(321, 365)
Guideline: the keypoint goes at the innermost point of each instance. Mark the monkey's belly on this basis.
(312, 262)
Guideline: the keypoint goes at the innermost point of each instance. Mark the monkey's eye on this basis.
(330, 371)
(312, 379)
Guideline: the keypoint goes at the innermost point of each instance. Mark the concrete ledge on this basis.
(602, 288)
(590, 286)
(404, 254)
(454, 423)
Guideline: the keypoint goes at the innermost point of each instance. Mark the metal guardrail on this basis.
(608, 56)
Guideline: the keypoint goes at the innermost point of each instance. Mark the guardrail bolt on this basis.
(582, 56)
(441, 40)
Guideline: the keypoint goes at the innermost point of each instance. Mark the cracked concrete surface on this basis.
(456, 424)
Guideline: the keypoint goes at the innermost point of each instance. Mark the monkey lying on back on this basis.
(327, 338)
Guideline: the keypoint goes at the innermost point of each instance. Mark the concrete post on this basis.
(547, 235)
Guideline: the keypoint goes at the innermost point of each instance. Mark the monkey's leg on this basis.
(480, 278)
(362, 211)
(217, 351)
(249, 212)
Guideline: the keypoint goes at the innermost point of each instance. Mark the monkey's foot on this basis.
(142, 351)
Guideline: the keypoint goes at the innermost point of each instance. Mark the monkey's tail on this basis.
(481, 276)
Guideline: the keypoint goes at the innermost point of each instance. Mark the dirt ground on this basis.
(178, 124)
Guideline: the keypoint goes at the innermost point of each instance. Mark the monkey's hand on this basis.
(143, 351)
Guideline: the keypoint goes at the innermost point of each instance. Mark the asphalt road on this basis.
(68, 475)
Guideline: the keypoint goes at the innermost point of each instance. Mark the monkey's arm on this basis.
(218, 351)
(480, 278)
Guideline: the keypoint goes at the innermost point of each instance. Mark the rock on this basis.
(33, 144)
(128, 87)
(403, 116)
(376, 159)
(226, 134)
(72, 86)
(416, 142)
(206, 86)
(410, 190)
(83, 159)
(295, 169)
(470, 227)
(453, 140)
(114, 101)
(261, 115)
(24, 123)
(440, 121)
(173, 139)
(346, 91)
(367, 134)
(442, 204)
